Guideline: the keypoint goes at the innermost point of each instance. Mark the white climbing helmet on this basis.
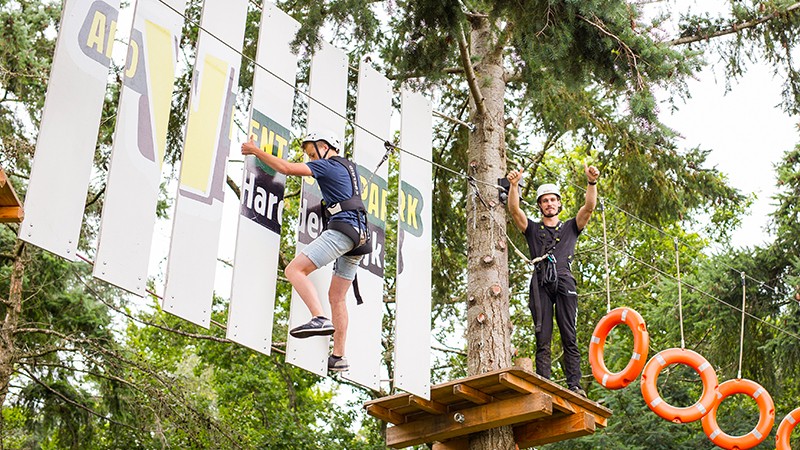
(330, 138)
(547, 188)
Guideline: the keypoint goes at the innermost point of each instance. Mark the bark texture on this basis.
(489, 324)
(13, 306)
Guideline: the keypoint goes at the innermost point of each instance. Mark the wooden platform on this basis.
(539, 410)
(10, 206)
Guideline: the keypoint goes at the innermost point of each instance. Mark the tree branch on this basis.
(234, 187)
(734, 28)
(470, 71)
(79, 405)
(597, 23)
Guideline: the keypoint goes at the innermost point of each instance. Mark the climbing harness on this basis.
(641, 343)
(360, 235)
(679, 356)
(766, 415)
(783, 437)
(545, 272)
(549, 278)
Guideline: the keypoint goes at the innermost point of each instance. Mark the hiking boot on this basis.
(318, 326)
(578, 390)
(337, 363)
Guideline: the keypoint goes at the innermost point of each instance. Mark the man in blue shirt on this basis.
(553, 285)
(341, 193)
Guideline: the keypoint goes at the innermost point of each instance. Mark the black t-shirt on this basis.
(561, 239)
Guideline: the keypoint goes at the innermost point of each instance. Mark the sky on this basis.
(745, 128)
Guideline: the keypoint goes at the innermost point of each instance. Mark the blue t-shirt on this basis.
(335, 185)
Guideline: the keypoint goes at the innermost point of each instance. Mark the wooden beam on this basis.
(473, 395)
(516, 383)
(11, 214)
(385, 415)
(520, 385)
(455, 444)
(471, 420)
(553, 430)
(428, 406)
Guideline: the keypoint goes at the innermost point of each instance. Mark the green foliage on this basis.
(93, 373)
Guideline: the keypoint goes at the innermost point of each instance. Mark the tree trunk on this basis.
(488, 320)
(9, 325)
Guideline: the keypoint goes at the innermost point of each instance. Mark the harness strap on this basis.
(360, 236)
(356, 291)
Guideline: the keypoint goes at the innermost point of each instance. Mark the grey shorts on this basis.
(330, 246)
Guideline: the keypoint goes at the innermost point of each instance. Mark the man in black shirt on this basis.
(552, 284)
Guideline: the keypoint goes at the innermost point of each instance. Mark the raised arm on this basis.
(519, 217)
(280, 165)
(585, 213)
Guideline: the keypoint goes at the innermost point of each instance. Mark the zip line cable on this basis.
(680, 296)
(443, 167)
(469, 178)
(311, 98)
(697, 289)
(741, 335)
(655, 228)
(605, 255)
(433, 163)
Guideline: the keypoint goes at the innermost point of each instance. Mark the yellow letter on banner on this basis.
(161, 65)
(97, 32)
(201, 132)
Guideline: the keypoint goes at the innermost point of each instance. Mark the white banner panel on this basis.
(373, 117)
(328, 89)
(189, 288)
(140, 141)
(413, 340)
(65, 147)
(255, 266)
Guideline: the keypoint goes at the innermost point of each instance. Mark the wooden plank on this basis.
(599, 411)
(523, 386)
(478, 418)
(516, 383)
(428, 406)
(488, 384)
(562, 428)
(475, 396)
(385, 415)
(455, 444)
(11, 214)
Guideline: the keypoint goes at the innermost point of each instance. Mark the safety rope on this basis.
(741, 334)
(680, 298)
(602, 209)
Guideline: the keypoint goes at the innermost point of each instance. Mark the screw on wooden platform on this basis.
(458, 417)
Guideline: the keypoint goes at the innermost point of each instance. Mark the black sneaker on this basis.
(578, 390)
(318, 326)
(337, 363)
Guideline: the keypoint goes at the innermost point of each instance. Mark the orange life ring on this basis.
(641, 343)
(696, 362)
(766, 416)
(785, 430)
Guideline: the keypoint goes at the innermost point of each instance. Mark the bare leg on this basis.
(297, 272)
(336, 295)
